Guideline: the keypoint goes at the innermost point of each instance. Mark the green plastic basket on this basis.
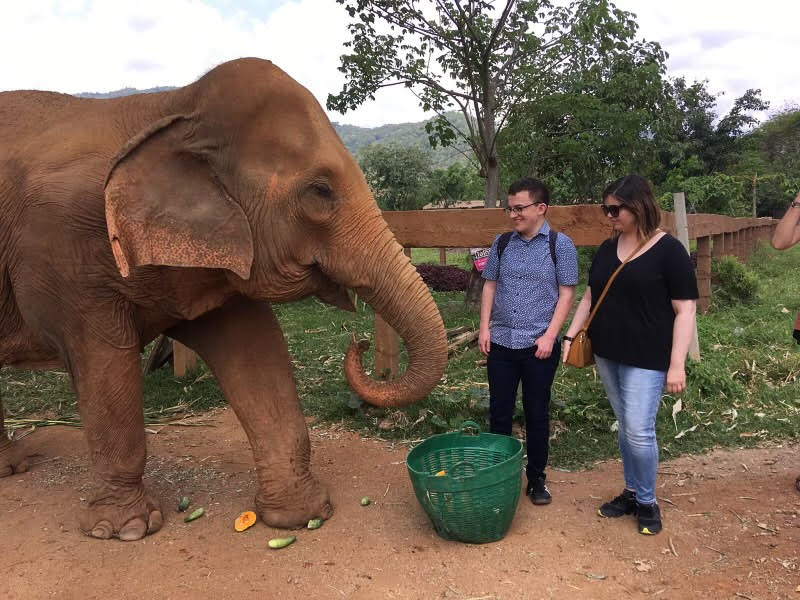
(477, 497)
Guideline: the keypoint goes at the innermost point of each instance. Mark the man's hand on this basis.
(544, 346)
(484, 341)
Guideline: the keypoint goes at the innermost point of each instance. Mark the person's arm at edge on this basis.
(787, 233)
(487, 299)
(578, 319)
(544, 345)
(682, 330)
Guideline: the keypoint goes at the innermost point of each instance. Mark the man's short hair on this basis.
(536, 188)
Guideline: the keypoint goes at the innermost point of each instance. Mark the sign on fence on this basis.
(479, 257)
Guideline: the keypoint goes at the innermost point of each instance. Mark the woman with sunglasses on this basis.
(640, 334)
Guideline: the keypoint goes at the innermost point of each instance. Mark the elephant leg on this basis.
(107, 382)
(244, 346)
(12, 460)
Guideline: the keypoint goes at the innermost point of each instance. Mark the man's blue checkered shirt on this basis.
(527, 286)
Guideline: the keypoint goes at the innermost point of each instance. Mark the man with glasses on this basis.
(527, 293)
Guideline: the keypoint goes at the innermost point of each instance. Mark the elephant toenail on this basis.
(102, 530)
(155, 522)
(134, 529)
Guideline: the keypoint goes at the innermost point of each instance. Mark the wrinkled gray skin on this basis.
(188, 212)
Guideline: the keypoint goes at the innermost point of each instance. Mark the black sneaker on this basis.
(538, 492)
(649, 516)
(624, 504)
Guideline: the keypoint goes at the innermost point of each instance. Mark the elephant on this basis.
(189, 212)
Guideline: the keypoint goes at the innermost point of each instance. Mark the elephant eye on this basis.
(322, 189)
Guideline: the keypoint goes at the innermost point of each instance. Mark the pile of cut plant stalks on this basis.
(180, 415)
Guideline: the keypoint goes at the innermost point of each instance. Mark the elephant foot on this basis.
(11, 458)
(125, 512)
(292, 507)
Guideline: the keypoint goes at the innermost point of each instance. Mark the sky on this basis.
(75, 46)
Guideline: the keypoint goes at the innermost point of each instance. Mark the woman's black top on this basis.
(634, 323)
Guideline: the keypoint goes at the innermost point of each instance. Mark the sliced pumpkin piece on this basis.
(244, 520)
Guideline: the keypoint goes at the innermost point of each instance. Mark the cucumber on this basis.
(183, 504)
(276, 543)
(195, 515)
(315, 523)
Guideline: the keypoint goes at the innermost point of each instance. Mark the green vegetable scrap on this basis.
(196, 514)
(276, 543)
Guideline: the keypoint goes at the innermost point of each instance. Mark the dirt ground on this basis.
(731, 530)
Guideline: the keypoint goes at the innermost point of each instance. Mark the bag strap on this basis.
(608, 284)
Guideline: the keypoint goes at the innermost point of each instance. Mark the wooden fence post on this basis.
(704, 273)
(387, 345)
(442, 256)
(183, 359)
(682, 229)
(717, 246)
(387, 349)
(730, 241)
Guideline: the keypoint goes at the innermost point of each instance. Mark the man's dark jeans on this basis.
(506, 368)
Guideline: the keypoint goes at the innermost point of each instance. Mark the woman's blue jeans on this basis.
(635, 395)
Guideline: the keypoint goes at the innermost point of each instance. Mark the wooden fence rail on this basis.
(716, 236)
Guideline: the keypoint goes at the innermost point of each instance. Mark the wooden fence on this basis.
(716, 236)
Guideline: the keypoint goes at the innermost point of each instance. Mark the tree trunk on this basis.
(492, 182)
(472, 297)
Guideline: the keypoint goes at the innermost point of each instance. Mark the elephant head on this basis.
(243, 172)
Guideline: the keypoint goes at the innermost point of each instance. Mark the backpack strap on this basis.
(553, 236)
(503, 242)
(506, 237)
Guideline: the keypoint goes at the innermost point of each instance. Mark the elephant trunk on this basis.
(403, 300)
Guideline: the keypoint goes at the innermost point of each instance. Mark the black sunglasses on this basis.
(611, 210)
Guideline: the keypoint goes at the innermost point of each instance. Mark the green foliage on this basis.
(486, 60)
(694, 129)
(596, 122)
(733, 281)
(456, 182)
(396, 175)
(718, 193)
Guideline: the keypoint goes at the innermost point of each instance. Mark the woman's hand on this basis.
(676, 379)
(565, 350)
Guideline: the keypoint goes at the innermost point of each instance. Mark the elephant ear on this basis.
(165, 206)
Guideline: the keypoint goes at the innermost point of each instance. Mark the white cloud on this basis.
(734, 44)
(101, 45)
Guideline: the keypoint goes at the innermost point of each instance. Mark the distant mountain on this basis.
(404, 134)
(353, 137)
(123, 92)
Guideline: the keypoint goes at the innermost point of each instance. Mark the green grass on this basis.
(744, 392)
(455, 257)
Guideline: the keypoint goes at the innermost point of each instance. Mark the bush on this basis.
(733, 282)
(444, 278)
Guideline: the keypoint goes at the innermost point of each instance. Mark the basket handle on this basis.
(470, 425)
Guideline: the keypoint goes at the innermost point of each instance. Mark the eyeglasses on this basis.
(611, 210)
(518, 208)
